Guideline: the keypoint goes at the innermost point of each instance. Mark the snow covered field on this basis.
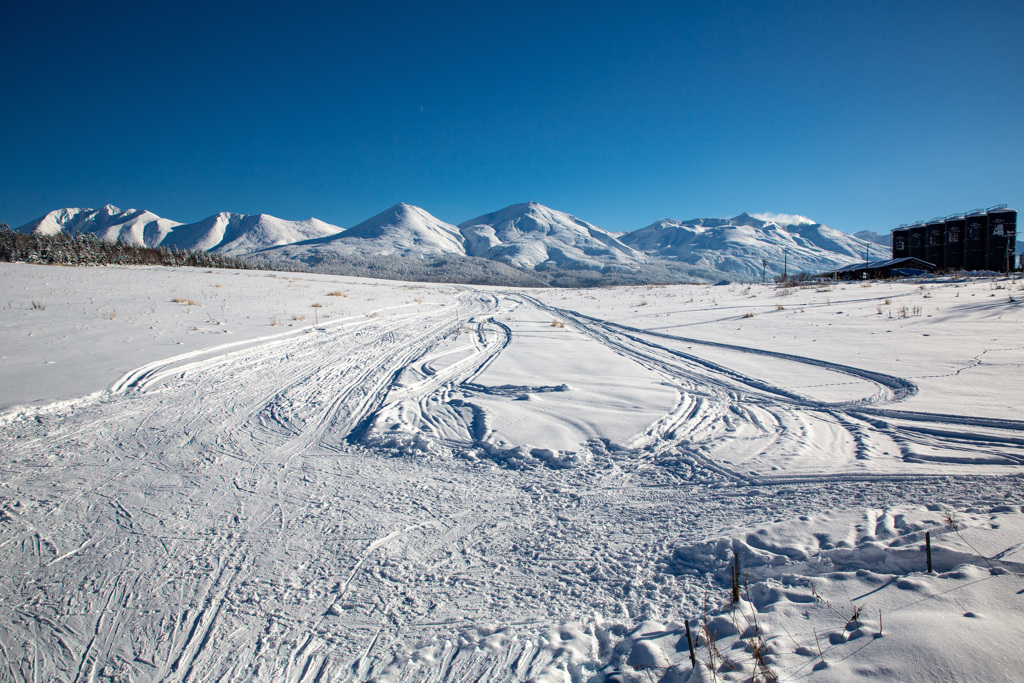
(223, 475)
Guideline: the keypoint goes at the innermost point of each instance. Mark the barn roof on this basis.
(905, 262)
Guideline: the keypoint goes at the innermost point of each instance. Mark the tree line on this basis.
(86, 249)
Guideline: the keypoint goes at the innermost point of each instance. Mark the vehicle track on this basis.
(229, 517)
(723, 395)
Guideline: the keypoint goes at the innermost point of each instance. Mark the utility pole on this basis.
(785, 263)
(764, 265)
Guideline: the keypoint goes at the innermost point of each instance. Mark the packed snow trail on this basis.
(241, 514)
(723, 411)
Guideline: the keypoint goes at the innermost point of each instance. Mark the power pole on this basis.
(764, 265)
(785, 263)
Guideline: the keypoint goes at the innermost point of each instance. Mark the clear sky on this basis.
(861, 115)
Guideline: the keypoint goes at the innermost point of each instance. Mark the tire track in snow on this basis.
(584, 540)
(866, 421)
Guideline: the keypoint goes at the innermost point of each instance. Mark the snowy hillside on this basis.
(230, 234)
(736, 246)
(246, 475)
(881, 239)
(552, 245)
(402, 230)
(533, 236)
(234, 234)
(135, 227)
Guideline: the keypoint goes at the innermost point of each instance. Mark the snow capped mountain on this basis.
(226, 233)
(531, 235)
(736, 246)
(233, 234)
(135, 227)
(527, 236)
(405, 229)
(883, 239)
(402, 230)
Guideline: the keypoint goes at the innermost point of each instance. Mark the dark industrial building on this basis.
(906, 266)
(984, 239)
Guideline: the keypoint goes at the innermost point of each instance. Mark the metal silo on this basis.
(917, 241)
(975, 240)
(901, 242)
(1002, 238)
(954, 252)
(935, 243)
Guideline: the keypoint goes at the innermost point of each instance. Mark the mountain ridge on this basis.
(230, 234)
(750, 247)
(528, 237)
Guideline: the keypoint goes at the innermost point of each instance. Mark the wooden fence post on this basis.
(689, 642)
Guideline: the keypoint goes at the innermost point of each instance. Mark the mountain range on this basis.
(743, 245)
(231, 234)
(529, 238)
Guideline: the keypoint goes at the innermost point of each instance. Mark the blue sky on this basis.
(862, 115)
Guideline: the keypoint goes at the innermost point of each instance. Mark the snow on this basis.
(141, 228)
(783, 218)
(233, 234)
(309, 477)
(402, 230)
(527, 236)
(531, 235)
(226, 233)
(96, 324)
(736, 246)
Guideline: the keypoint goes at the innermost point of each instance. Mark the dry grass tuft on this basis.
(337, 292)
(183, 300)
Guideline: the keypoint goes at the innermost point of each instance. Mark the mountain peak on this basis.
(401, 229)
(738, 245)
(529, 234)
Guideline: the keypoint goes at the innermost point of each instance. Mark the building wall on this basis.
(980, 240)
